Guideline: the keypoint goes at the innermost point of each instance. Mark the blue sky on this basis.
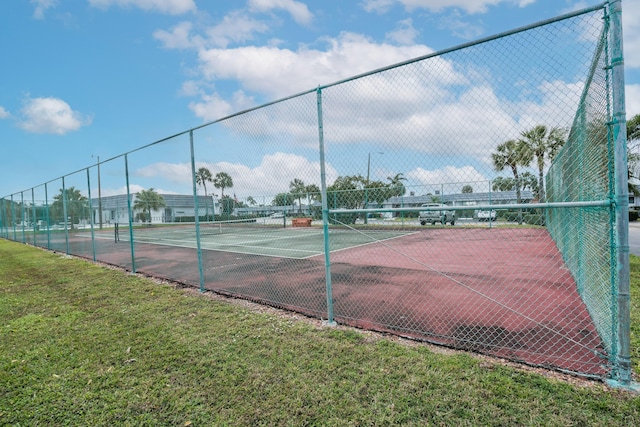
(88, 78)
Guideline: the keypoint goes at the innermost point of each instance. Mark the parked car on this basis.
(442, 216)
(486, 215)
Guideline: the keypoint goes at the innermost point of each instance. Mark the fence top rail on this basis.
(559, 18)
(554, 205)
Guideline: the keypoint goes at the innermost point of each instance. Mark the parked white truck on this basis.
(443, 215)
(485, 215)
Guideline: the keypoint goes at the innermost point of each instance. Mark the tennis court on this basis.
(254, 238)
(505, 292)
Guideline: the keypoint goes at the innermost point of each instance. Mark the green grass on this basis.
(85, 345)
(634, 262)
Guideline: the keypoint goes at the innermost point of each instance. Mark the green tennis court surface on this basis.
(255, 239)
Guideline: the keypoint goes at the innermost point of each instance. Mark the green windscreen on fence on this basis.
(583, 171)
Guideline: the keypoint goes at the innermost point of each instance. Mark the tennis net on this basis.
(236, 226)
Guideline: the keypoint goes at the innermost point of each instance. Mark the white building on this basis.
(179, 208)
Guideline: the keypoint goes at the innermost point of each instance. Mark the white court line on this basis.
(369, 243)
(226, 247)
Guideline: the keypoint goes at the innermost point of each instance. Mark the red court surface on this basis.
(502, 292)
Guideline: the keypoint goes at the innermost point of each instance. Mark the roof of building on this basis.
(119, 201)
(461, 198)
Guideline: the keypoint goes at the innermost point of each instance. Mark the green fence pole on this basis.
(93, 237)
(33, 220)
(325, 214)
(22, 217)
(64, 212)
(622, 365)
(2, 221)
(129, 210)
(47, 216)
(490, 202)
(13, 219)
(197, 211)
(3, 217)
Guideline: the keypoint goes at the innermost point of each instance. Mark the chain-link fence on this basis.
(473, 198)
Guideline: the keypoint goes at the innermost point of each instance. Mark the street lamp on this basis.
(366, 190)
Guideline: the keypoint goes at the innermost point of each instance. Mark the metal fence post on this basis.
(130, 212)
(93, 236)
(325, 213)
(22, 217)
(34, 219)
(64, 212)
(622, 364)
(2, 220)
(47, 216)
(13, 219)
(197, 211)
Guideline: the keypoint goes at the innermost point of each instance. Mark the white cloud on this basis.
(556, 107)
(280, 72)
(213, 107)
(4, 114)
(190, 88)
(448, 174)
(469, 6)
(440, 107)
(133, 189)
(298, 10)
(378, 6)
(459, 28)
(422, 106)
(41, 7)
(179, 37)
(405, 34)
(50, 115)
(272, 176)
(236, 27)
(171, 7)
(177, 172)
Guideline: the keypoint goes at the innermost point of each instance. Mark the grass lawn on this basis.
(81, 344)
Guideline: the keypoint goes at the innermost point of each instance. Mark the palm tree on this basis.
(512, 154)
(251, 201)
(502, 183)
(298, 189)
(77, 204)
(543, 143)
(397, 187)
(222, 180)
(528, 180)
(203, 175)
(313, 191)
(146, 201)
